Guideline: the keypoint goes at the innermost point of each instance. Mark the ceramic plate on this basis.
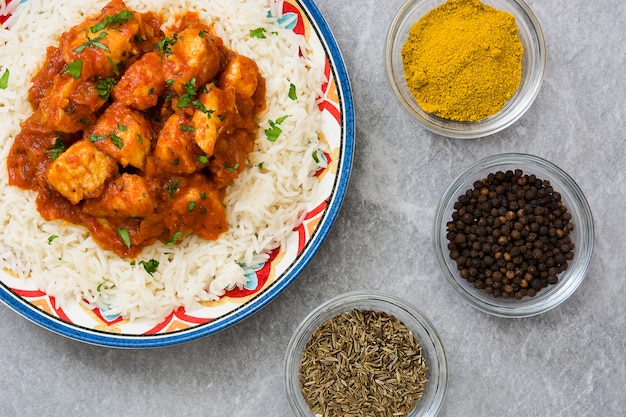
(268, 280)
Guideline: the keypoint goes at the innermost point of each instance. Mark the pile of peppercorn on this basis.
(510, 234)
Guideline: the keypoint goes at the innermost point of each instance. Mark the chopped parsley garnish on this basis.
(150, 266)
(175, 161)
(95, 42)
(203, 159)
(292, 92)
(124, 235)
(116, 71)
(231, 169)
(174, 238)
(4, 80)
(117, 141)
(96, 138)
(166, 44)
(99, 287)
(171, 189)
(191, 206)
(202, 33)
(202, 196)
(186, 128)
(274, 131)
(57, 148)
(315, 157)
(105, 86)
(200, 107)
(51, 238)
(258, 33)
(74, 68)
(112, 21)
(190, 92)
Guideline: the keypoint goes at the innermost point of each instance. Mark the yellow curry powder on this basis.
(463, 60)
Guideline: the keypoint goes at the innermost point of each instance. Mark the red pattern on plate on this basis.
(3, 18)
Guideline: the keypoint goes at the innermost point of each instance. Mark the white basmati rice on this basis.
(263, 205)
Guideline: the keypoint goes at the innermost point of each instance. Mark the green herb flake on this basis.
(51, 238)
(95, 42)
(281, 119)
(315, 157)
(202, 33)
(117, 141)
(112, 21)
(123, 233)
(171, 189)
(96, 138)
(175, 161)
(292, 92)
(74, 68)
(174, 239)
(191, 206)
(274, 131)
(202, 196)
(186, 128)
(116, 71)
(231, 168)
(4, 80)
(203, 159)
(150, 266)
(105, 86)
(258, 33)
(57, 148)
(99, 287)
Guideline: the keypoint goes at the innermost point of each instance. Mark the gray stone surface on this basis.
(570, 361)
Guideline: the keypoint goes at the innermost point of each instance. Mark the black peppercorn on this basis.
(509, 234)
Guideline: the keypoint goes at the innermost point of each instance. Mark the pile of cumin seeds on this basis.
(362, 363)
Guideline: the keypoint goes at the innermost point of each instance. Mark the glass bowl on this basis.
(582, 236)
(533, 65)
(421, 328)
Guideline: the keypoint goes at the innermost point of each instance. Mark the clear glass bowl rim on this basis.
(532, 77)
(569, 280)
(432, 401)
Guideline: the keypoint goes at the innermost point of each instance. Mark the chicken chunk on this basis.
(193, 55)
(197, 208)
(175, 150)
(142, 83)
(126, 196)
(123, 134)
(230, 155)
(81, 171)
(103, 42)
(215, 117)
(70, 104)
(242, 74)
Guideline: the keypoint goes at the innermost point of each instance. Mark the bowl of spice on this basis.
(365, 353)
(465, 68)
(514, 235)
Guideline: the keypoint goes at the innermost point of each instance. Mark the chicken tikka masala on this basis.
(136, 131)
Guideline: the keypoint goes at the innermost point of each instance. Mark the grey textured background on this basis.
(570, 361)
